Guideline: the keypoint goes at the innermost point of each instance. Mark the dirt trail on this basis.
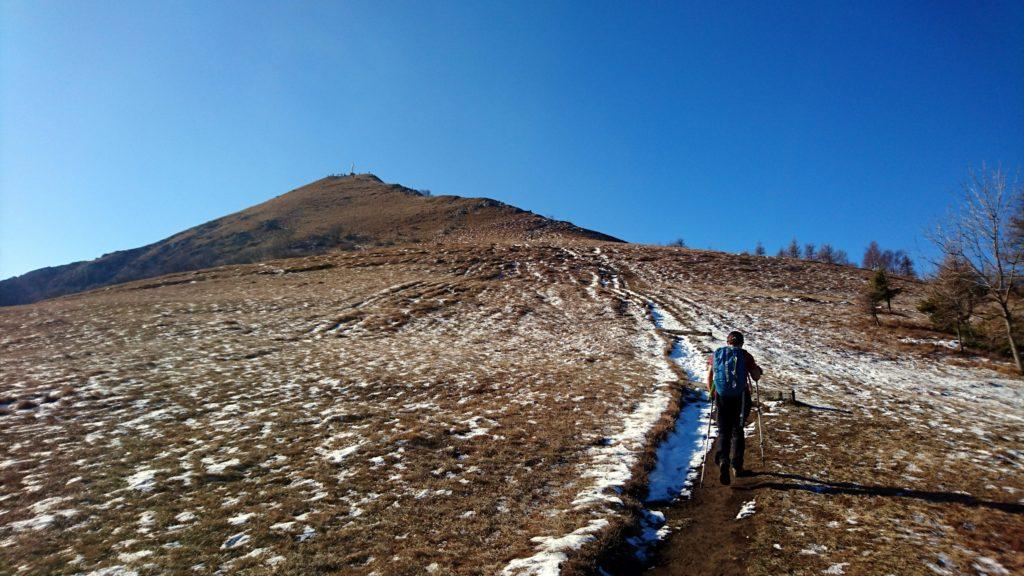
(706, 537)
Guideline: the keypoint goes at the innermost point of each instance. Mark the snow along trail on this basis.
(613, 461)
(679, 456)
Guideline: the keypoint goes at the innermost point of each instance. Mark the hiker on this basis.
(729, 386)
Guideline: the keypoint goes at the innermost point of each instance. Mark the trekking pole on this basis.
(760, 427)
(707, 438)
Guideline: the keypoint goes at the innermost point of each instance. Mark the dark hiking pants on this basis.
(730, 443)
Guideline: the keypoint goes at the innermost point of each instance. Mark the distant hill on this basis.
(334, 213)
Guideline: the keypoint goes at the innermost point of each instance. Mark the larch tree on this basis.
(869, 298)
(827, 253)
(887, 261)
(810, 253)
(793, 251)
(872, 257)
(951, 298)
(904, 265)
(881, 288)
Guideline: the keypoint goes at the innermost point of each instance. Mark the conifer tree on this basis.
(880, 288)
(869, 299)
(952, 296)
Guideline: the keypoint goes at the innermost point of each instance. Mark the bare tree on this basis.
(793, 251)
(980, 233)
(904, 265)
(759, 249)
(1017, 223)
(827, 254)
(887, 261)
(872, 257)
(832, 255)
(809, 252)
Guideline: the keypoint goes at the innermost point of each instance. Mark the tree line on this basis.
(892, 261)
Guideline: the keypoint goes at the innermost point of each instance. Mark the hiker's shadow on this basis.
(806, 483)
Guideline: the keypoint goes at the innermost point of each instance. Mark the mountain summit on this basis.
(333, 213)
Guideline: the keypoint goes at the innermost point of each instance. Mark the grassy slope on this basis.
(490, 372)
(409, 407)
(331, 214)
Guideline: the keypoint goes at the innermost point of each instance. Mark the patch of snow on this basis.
(746, 511)
(42, 521)
(652, 530)
(255, 553)
(986, 565)
(146, 521)
(129, 557)
(213, 467)
(475, 429)
(307, 533)
(143, 480)
(236, 540)
(553, 550)
(185, 517)
(679, 456)
(241, 518)
(339, 455)
(113, 571)
(951, 344)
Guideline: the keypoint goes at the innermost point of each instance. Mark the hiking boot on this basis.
(723, 475)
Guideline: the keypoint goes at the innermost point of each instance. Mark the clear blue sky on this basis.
(124, 122)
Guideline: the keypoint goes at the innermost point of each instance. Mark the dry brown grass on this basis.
(464, 379)
(463, 393)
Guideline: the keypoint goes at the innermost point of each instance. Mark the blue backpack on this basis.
(730, 371)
